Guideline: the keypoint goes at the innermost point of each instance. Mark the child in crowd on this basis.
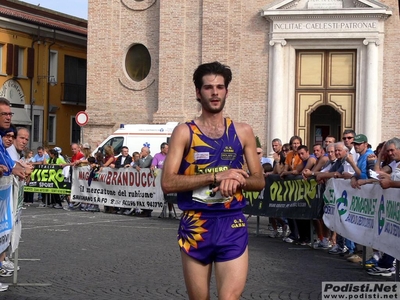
(95, 168)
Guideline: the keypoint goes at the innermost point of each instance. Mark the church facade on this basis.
(307, 67)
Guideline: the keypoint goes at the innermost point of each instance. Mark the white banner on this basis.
(6, 215)
(18, 203)
(369, 216)
(123, 187)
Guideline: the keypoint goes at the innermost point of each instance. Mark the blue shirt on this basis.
(362, 164)
(38, 158)
(5, 159)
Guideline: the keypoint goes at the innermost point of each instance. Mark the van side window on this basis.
(117, 143)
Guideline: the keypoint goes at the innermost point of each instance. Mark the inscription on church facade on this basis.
(326, 26)
(324, 4)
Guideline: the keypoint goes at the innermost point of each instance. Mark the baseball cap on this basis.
(86, 146)
(58, 149)
(360, 138)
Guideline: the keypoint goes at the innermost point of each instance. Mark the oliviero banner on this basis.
(369, 216)
(292, 197)
(50, 179)
(125, 187)
(6, 214)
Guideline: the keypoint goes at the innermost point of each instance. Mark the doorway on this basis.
(325, 93)
(324, 121)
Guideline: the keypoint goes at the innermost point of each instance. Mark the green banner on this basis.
(49, 179)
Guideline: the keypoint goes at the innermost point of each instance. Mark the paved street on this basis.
(82, 255)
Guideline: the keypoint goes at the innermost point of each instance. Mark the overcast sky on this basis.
(76, 8)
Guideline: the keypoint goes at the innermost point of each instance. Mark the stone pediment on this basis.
(325, 8)
(326, 19)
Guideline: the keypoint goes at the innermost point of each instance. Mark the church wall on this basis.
(180, 35)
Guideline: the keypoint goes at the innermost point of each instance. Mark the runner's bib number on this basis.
(207, 196)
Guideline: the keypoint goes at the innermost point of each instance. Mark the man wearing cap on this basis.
(360, 143)
(59, 151)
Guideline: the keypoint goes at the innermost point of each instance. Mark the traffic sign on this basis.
(81, 118)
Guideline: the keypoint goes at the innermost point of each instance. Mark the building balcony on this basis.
(73, 94)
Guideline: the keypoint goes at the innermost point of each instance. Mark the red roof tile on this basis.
(45, 21)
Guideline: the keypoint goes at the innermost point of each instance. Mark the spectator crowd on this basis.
(351, 159)
(18, 160)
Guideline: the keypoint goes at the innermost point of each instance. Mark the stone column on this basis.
(276, 107)
(370, 104)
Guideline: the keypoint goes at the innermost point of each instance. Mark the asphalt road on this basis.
(81, 255)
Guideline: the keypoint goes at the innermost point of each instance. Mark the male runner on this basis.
(204, 166)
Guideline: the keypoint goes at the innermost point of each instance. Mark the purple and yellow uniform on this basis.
(212, 227)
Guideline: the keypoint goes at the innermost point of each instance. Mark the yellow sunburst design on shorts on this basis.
(192, 230)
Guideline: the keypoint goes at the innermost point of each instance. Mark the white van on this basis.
(135, 136)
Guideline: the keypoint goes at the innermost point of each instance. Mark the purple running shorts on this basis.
(213, 237)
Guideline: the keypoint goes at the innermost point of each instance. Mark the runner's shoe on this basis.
(288, 240)
(8, 265)
(370, 263)
(5, 272)
(3, 287)
(337, 250)
(275, 234)
(322, 245)
(286, 231)
(377, 271)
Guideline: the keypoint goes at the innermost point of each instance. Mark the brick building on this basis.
(43, 71)
(307, 67)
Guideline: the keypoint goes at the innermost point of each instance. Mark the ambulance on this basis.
(136, 136)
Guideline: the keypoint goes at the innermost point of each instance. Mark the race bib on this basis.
(207, 196)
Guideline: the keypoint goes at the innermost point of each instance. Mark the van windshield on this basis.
(116, 142)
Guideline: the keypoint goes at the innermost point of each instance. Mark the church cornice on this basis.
(315, 15)
(323, 9)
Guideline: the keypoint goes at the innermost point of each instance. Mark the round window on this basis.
(138, 62)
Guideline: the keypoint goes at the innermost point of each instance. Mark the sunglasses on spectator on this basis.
(258, 153)
(285, 150)
(348, 138)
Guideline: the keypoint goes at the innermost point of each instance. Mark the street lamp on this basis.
(50, 79)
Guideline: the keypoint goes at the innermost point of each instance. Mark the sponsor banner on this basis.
(255, 203)
(6, 214)
(49, 179)
(123, 187)
(360, 290)
(292, 197)
(369, 216)
(18, 202)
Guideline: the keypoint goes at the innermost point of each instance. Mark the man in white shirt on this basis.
(19, 145)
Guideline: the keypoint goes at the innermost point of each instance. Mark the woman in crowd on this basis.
(291, 162)
(109, 159)
(86, 150)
